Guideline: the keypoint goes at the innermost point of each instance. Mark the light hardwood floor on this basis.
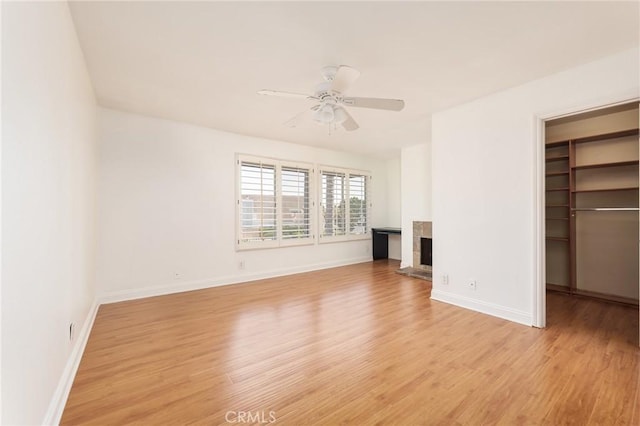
(353, 345)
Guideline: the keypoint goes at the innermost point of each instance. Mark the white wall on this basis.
(393, 199)
(167, 204)
(48, 164)
(393, 204)
(484, 180)
(415, 192)
(1, 7)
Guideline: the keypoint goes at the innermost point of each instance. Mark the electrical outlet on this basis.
(177, 275)
(241, 265)
(472, 284)
(445, 279)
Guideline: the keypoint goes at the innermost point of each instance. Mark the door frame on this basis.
(539, 308)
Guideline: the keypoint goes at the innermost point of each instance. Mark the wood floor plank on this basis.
(353, 345)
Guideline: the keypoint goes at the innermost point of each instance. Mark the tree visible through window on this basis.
(358, 212)
(333, 204)
(338, 219)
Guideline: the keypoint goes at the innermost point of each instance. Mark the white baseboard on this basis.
(483, 307)
(59, 399)
(131, 294)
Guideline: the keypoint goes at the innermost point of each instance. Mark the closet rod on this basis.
(605, 209)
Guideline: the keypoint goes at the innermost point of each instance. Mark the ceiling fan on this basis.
(329, 109)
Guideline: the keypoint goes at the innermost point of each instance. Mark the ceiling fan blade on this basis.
(375, 103)
(349, 124)
(285, 94)
(344, 77)
(295, 121)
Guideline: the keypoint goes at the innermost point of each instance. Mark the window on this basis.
(276, 208)
(332, 204)
(344, 204)
(258, 202)
(274, 203)
(296, 209)
(358, 211)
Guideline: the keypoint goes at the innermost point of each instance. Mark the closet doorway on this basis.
(592, 230)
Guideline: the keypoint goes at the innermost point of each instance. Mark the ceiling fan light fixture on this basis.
(339, 115)
(324, 115)
(329, 72)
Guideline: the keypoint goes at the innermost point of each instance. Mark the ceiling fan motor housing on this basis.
(325, 94)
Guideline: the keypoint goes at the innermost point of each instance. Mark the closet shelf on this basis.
(556, 144)
(556, 173)
(557, 218)
(557, 205)
(605, 209)
(557, 239)
(602, 165)
(594, 138)
(630, 188)
(558, 158)
(605, 136)
(557, 189)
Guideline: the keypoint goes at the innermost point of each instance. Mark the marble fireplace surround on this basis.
(421, 229)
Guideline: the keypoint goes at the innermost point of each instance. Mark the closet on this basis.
(591, 191)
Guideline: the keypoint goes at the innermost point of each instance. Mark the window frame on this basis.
(348, 236)
(310, 239)
(279, 241)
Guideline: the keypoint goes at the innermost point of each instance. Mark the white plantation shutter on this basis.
(345, 206)
(295, 203)
(274, 203)
(332, 204)
(257, 204)
(358, 204)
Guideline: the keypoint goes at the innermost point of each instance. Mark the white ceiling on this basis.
(202, 62)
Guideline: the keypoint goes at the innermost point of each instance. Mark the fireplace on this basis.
(425, 251)
(422, 246)
(422, 252)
